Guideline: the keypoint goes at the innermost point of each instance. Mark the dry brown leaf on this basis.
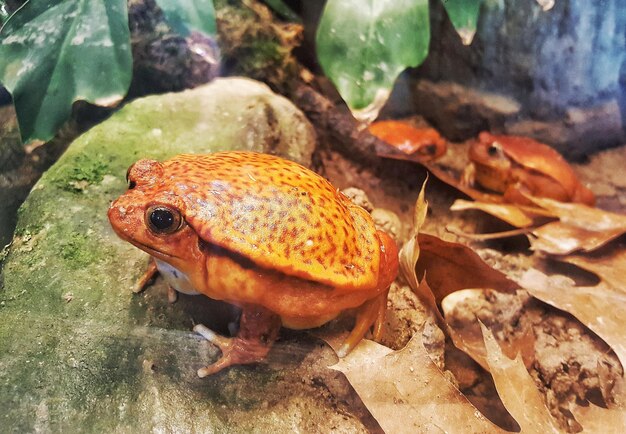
(610, 267)
(559, 238)
(410, 250)
(512, 214)
(602, 308)
(450, 270)
(517, 389)
(578, 228)
(406, 392)
(600, 420)
(453, 266)
(576, 214)
(469, 337)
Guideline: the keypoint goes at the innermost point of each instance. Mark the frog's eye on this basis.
(428, 150)
(495, 150)
(163, 220)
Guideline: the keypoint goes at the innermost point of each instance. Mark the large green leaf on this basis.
(4, 12)
(55, 52)
(363, 45)
(464, 16)
(283, 10)
(186, 16)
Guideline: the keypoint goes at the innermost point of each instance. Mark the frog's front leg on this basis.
(258, 330)
(517, 193)
(148, 276)
(468, 176)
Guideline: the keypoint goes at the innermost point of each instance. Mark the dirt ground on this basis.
(571, 364)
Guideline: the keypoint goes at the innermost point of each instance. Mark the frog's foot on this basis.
(146, 278)
(468, 176)
(370, 314)
(517, 193)
(172, 295)
(258, 330)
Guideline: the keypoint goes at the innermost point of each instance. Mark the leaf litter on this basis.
(391, 383)
(553, 227)
(406, 392)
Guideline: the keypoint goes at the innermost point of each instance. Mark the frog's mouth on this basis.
(152, 252)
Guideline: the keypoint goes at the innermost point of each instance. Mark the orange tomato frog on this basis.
(419, 144)
(514, 166)
(264, 234)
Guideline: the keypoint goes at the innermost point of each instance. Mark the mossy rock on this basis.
(79, 352)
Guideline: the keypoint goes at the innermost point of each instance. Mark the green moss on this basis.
(77, 251)
(263, 53)
(82, 171)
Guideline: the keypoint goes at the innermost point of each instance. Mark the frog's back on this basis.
(278, 214)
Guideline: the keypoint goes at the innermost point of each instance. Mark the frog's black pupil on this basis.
(161, 219)
(430, 149)
(492, 150)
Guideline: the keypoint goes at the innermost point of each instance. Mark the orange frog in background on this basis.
(418, 144)
(514, 165)
(264, 234)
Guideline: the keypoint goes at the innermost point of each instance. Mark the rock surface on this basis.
(78, 350)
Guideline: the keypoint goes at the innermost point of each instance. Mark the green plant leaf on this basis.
(55, 52)
(4, 12)
(464, 16)
(283, 10)
(186, 16)
(364, 45)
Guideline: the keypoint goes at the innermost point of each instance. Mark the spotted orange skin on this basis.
(425, 144)
(525, 165)
(259, 230)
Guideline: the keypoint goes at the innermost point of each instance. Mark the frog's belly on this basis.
(175, 278)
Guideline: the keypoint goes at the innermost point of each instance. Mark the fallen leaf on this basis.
(578, 228)
(610, 267)
(406, 392)
(517, 389)
(558, 238)
(600, 420)
(453, 266)
(602, 308)
(410, 250)
(515, 215)
(448, 269)
(583, 216)
(468, 337)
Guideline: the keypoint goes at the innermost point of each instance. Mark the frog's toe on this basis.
(222, 342)
(235, 351)
(258, 330)
(172, 295)
(371, 313)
